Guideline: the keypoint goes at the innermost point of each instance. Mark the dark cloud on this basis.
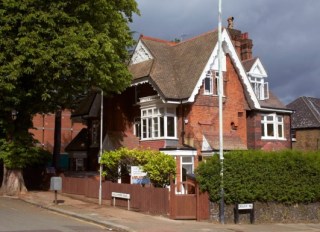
(285, 33)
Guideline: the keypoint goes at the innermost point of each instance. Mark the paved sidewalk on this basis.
(124, 220)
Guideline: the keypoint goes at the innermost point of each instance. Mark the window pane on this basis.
(144, 113)
(270, 118)
(216, 86)
(186, 159)
(149, 127)
(188, 168)
(144, 128)
(170, 126)
(162, 126)
(280, 131)
(155, 127)
(270, 130)
(280, 119)
(262, 130)
(155, 111)
(207, 84)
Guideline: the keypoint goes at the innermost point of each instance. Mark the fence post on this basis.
(172, 199)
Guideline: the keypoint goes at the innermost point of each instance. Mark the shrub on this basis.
(284, 176)
(157, 165)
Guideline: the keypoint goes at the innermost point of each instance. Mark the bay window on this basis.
(158, 122)
(272, 126)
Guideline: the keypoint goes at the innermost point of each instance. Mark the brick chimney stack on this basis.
(241, 42)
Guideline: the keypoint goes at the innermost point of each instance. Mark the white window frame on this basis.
(260, 87)
(186, 163)
(275, 121)
(212, 89)
(153, 117)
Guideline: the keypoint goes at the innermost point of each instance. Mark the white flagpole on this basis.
(100, 152)
(220, 93)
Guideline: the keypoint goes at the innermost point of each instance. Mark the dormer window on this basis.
(260, 87)
(257, 76)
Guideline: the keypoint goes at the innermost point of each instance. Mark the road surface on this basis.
(19, 216)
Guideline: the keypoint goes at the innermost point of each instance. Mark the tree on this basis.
(156, 164)
(53, 51)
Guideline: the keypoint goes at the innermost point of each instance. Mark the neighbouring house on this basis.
(43, 131)
(305, 123)
(172, 103)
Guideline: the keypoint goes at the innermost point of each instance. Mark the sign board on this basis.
(138, 176)
(56, 183)
(120, 195)
(245, 206)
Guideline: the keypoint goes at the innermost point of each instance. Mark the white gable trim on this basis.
(205, 144)
(228, 48)
(257, 70)
(141, 53)
(212, 64)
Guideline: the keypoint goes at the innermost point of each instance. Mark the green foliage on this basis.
(286, 176)
(20, 154)
(52, 52)
(157, 165)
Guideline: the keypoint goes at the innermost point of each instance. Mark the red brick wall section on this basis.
(44, 129)
(203, 115)
(254, 134)
(152, 144)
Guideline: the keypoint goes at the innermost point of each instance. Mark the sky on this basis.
(285, 34)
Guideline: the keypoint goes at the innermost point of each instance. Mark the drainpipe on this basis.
(182, 123)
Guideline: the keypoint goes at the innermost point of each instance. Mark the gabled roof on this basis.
(88, 107)
(177, 67)
(247, 64)
(306, 112)
(254, 67)
(80, 142)
(272, 102)
(176, 70)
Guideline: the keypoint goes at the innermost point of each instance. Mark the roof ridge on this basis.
(196, 37)
(312, 108)
(171, 43)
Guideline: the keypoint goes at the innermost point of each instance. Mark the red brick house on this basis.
(43, 130)
(305, 123)
(172, 104)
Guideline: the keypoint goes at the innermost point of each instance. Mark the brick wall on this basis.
(307, 139)
(254, 134)
(203, 115)
(44, 129)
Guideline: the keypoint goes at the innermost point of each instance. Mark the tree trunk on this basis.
(57, 139)
(13, 182)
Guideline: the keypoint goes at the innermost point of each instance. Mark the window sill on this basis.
(273, 138)
(163, 138)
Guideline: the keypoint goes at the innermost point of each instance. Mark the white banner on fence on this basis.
(138, 176)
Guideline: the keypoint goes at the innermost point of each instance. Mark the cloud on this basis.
(285, 33)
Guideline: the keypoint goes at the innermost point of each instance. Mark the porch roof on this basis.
(231, 142)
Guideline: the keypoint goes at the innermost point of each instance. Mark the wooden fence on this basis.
(144, 199)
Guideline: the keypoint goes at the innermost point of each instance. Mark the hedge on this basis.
(285, 177)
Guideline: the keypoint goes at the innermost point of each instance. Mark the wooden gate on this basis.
(186, 202)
